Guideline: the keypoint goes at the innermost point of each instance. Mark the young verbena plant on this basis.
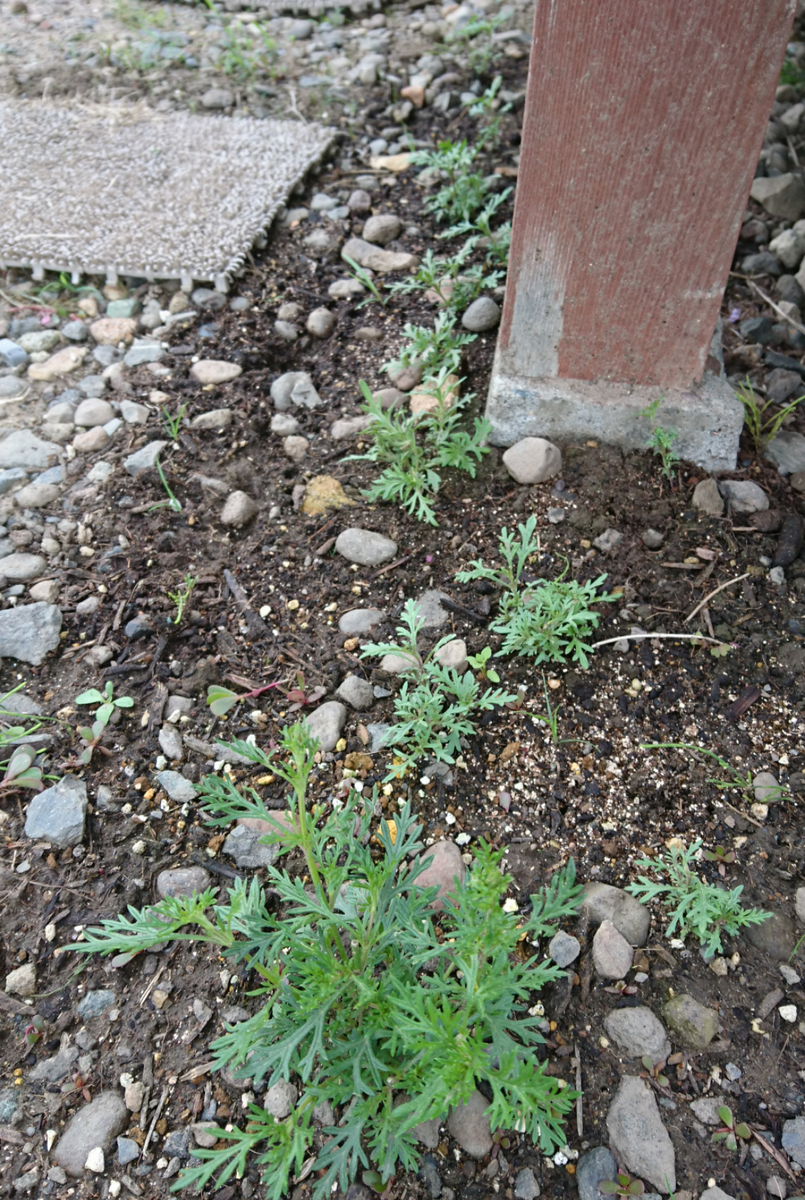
(661, 440)
(695, 906)
(365, 1005)
(414, 450)
(547, 620)
(436, 350)
(435, 706)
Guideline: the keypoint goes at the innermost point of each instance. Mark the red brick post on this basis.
(643, 124)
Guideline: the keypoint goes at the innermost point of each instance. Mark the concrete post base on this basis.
(707, 416)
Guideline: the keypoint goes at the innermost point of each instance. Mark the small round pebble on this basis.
(320, 323)
(481, 315)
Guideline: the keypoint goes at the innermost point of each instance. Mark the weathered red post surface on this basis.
(642, 127)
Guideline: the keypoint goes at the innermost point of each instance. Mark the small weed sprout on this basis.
(487, 108)
(455, 284)
(761, 423)
(20, 771)
(181, 597)
(661, 440)
(435, 705)
(736, 781)
(463, 194)
(221, 699)
(731, 1132)
(347, 1010)
(548, 620)
(172, 502)
(496, 242)
(695, 907)
(551, 719)
(480, 663)
(621, 1185)
(436, 350)
(173, 423)
(475, 40)
(92, 734)
(365, 279)
(414, 450)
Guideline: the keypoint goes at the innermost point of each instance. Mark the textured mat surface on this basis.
(126, 192)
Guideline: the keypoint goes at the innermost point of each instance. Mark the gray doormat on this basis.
(123, 191)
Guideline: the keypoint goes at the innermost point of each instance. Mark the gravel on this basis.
(25, 450)
(356, 692)
(629, 916)
(181, 881)
(238, 509)
(612, 954)
(691, 1023)
(469, 1125)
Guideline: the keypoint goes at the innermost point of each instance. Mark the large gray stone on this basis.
(787, 451)
(593, 1168)
(482, 314)
(612, 954)
(365, 547)
(692, 1024)
(93, 1124)
(248, 851)
(24, 449)
(533, 460)
(238, 509)
(744, 495)
(782, 195)
(707, 498)
(638, 1032)
(356, 692)
(607, 903)
(326, 722)
(294, 388)
(776, 936)
(794, 1139)
(707, 416)
(95, 1003)
(182, 881)
(22, 567)
(29, 632)
(469, 1125)
(178, 788)
(382, 229)
(564, 948)
(360, 620)
(57, 815)
(144, 459)
(637, 1136)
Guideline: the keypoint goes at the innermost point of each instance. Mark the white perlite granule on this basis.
(123, 191)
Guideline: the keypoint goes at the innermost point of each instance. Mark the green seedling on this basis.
(480, 663)
(737, 782)
(221, 699)
(731, 1132)
(455, 284)
(300, 697)
(345, 1008)
(172, 503)
(655, 1070)
(20, 771)
(761, 422)
(475, 39)
(34, 1031)
(435, 706)
(463, 194)
(365, 279)
(496, 242)
(181, 598)
(621, 1185)
(551, 719)
(488, 110)
(720, 855)
(548, 620)
(92, 734)
(695, 906)
(173, 423)
(414, 450)
(437, 350)
(661, 440)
